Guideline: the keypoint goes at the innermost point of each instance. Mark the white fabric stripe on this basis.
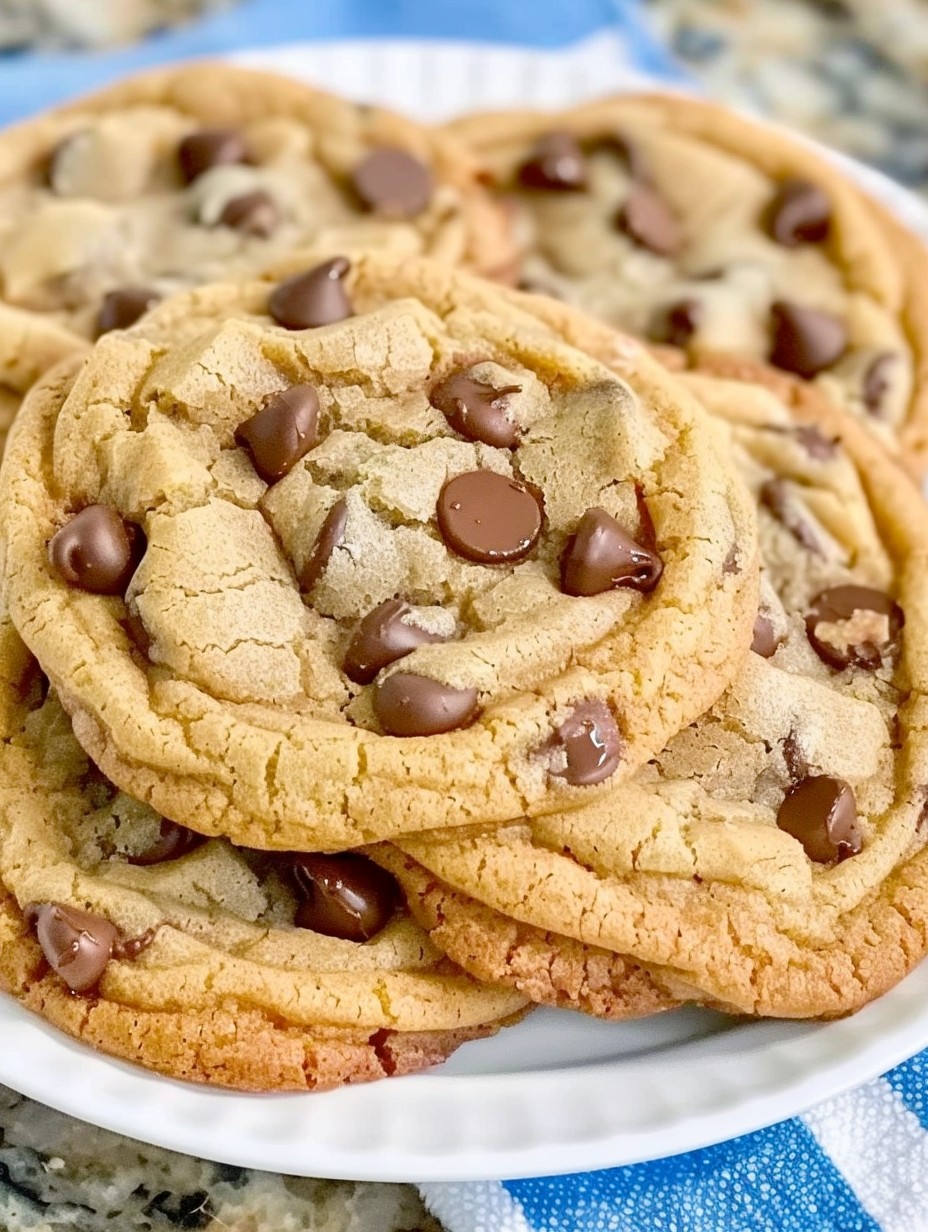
(477, 1206)
(881, 1150)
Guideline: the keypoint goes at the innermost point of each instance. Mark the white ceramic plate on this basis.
(560, 1092)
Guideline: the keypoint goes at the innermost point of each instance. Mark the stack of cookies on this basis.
(388, 643)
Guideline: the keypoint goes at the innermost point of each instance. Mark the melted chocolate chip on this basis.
(393, 183)
(800, 213)
(315, 298)
(878, 382)
(130, 949)
(77, 944)
(282, 432)
(489, 518)
(346, 896)
(556, 164)
(805, 340)
(601, 556)
(765, 641)
(173, 841)
(731, 566)
(591, 740)
(252, 213)
(97, 551)
(477, 410)
(796, 764)
(537, 286)
(622, 147)
(328, 539)
(676, 324)
(818, 446)
(208, 148)
(821, 813)
(382, 637)
(648, 220)
(408, 705)
(123, 307)
(776, 496)
(854, 626)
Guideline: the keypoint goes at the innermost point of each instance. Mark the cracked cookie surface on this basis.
(686, 223)
(191, 174)
(771, 858)
(204, 961)
(357, 650)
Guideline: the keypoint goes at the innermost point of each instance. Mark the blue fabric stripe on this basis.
(29, 82)
(910, 1081)
(777, 1180)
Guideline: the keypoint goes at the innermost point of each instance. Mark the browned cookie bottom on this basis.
(546, 967)
(231, 1046)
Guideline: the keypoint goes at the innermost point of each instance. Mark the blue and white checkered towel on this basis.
(858, 1163)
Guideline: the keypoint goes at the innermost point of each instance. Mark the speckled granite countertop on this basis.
(855, 75)
(56, 1173)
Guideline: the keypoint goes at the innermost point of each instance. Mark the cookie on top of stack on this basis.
(686, 223)
(311, 585)
(410, 649)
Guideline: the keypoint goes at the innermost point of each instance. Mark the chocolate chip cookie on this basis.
(204, 961)
(194, 173)
(370, 548)
(685, 223)
(771, 859)
(30, 344)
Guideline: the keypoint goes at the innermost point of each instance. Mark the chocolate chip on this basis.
(590, 738)
(123, 307)
(346, 896)
(648, 220)
(489, 518)
(622, 146)
(328, 539)
(253, 213)
(676, 324)
(854, 626)
(173, 841)
(208, 148)
(815, 443)
(314, 298)
(556, 164)
(282, 432)
(409, 705)
(97, 551)
(77, 944)
(393, 183)
(476, 409)
(878, 382)
(600, 556)
(794, 758)
(731, 565)
(537, 286)
(132, 947)
(805, 340)
(821, 813)
(800, 213)
(382, 637)
(777, 496)
(765, 641)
